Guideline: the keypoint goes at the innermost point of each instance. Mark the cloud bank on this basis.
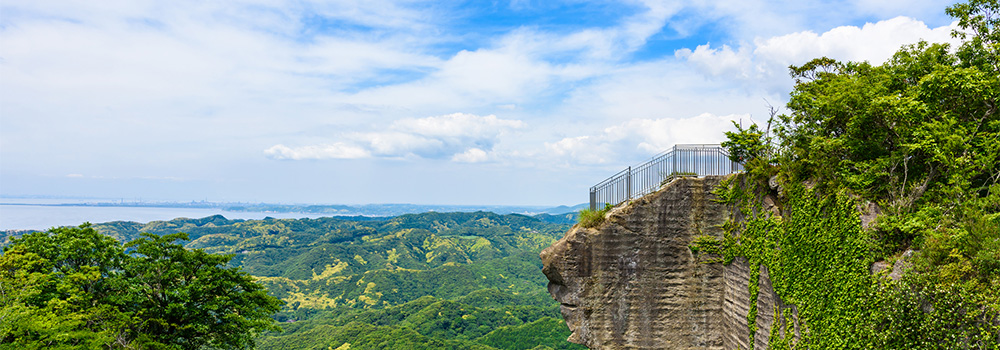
(643, 136)
(460, 137)
(765, 60)
(240, 93)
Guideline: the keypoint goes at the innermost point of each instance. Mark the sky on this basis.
(517, 102)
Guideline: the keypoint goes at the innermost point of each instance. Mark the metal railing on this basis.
(681, 160)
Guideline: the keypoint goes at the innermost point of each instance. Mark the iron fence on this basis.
(681, 160)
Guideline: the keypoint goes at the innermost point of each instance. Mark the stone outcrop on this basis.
(634, 283)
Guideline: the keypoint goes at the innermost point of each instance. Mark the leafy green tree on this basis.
(920, 137)
(979, 19)
(72, 287)
(919, 134)
(58, 289)
(189, 299)
(752, 147)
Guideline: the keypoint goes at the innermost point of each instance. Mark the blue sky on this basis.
(427, 102)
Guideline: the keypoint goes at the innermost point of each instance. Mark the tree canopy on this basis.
(420, 281)
(72, 287)
(918, 138)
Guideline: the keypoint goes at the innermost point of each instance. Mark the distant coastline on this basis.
(333, 209)
(34, 214)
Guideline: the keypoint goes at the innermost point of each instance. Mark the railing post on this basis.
(593, 199)
(628, 183)
(673, 167)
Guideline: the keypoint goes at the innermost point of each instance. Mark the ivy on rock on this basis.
(917, 141)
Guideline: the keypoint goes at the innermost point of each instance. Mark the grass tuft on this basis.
(591, 218)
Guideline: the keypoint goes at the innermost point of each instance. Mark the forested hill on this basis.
(431, 280)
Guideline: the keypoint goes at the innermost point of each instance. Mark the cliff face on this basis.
(633, 283)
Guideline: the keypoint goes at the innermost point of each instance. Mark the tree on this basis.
(190, 299)
(57, 289)
(979, 20)
(919, 136)
(72, 287)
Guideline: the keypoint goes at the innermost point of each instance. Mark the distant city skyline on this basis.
(424, 102)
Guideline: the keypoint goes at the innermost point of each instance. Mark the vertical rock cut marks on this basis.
(633, 283)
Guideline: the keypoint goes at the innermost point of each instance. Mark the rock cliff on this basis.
(633, 283)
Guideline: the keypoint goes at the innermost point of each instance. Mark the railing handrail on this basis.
(696, 159)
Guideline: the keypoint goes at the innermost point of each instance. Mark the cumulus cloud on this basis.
(581, 149)
(616, 144)
(472, 155)
(460, 137)
(103, 87)
(457, 126)
(765, 61)
(337, 150)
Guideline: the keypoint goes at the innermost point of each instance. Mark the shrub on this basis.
(592, 218)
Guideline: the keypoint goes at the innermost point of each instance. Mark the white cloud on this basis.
(140, 87)
(457, 125)
(601, 44)
(656, 135)
(874, 42)
(399, 144)
(640, 138)
(472, 155)
(461, 137)
(332, 151)
(765, 61)
(723, 61)
(656, 90)
(526, 65)
(580, 149)
(747, 20)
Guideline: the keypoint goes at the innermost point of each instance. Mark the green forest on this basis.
(421, 281)
(913, 145)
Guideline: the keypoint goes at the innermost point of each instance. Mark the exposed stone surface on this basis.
(736, 304)
(869, 213)
(899, 267)
(768, 302)
(633, 283)
(770, 205)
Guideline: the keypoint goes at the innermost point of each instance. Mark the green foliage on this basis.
(894, 130)
(753, 284)
(817, 258)
(432, 280)
(592, 218)
(980, 19)
(747, 144)
(546, 331)
(753, 148)
(190, 299)
(918, 136)
(73, 287)
(55, 289)
(436, 323)
(706, 244)
(777, 341)
(362, 336)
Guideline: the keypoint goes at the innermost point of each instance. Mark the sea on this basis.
(44, 213)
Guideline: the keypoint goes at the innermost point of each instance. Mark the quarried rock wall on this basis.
(634, 283)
